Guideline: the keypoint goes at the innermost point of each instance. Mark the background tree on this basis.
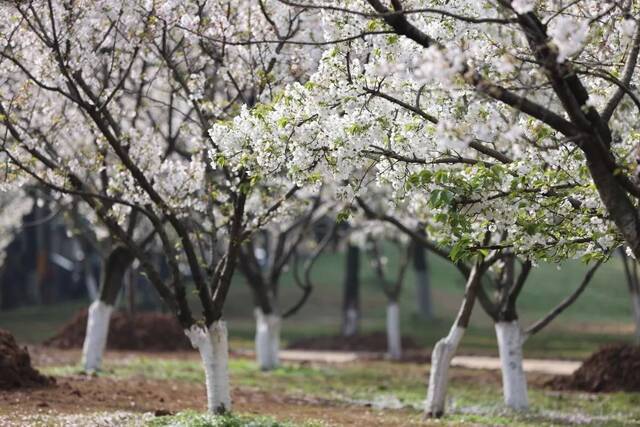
(268, 255)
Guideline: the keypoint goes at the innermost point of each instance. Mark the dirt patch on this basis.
(612, 368)
(141, 331)
(85, 394)
(15, 366)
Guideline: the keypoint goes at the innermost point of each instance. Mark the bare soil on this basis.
(612, 368)
(86, 394)
(141, 331)
(82, 394)
(15, 366)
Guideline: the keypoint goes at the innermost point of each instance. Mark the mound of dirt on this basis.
(142, 331)
(612, 368)
(15, 366)
(373, 342)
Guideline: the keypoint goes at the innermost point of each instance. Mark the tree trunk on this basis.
(394, 337)
(91, 283)
(351, 304)
(130, 279)
(267, 340)
(635, 304)
(445, 349)
(441, 356)
(514, 381)
(95, 341)
(423, 282)
(44, 285)
(213, 347)
(614, 197)
(631, 273)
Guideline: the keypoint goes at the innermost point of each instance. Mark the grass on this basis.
(181, 419)
(195, 419)
(474, 396)
(601, 315)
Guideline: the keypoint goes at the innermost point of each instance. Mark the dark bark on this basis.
(633, 284)
(470, 293)
(613, 195)
(305, 282)
(262, 300)
(223, 281)
(351, 301)
(392, 288)
(514, 292)
(506, 282)
(44, 273)
(631, 276)
(253, 271)
(423, 282)
(114, 268)
(540, 324)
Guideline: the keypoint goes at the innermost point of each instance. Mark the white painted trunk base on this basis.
(351, 318)
(95, 339)
(214, 350)
(441, 356)
(514, 381)
(267, 340)
(394, 343)
(635, 301)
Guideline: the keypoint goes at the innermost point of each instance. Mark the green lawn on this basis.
(601, 315)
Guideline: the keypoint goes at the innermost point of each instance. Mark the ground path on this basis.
(47, 356)
(543, 366)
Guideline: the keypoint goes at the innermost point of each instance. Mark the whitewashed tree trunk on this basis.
(514, 381)
(394, 343)
(214, 350)
(95, 339)
(351, 320)
(441, 356)
(446, 348)
(267, 340)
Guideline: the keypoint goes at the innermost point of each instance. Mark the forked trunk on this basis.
(514, 381)
(267, 340)
(214, 350)
(114, 268)
(394, 343)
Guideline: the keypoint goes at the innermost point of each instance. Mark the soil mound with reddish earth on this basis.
(373, 342)
(140, 331)
(612, 368)
(15, 366)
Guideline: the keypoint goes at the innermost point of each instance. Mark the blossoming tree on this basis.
(512, 124)
(283, 245)
(112, 103)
